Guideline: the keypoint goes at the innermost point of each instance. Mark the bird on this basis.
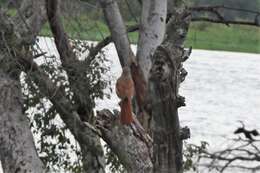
(248, 133)
(125, 91)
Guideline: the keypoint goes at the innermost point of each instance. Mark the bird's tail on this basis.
(126, 116)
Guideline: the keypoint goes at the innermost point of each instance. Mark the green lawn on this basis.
(201, 35)
(222, 37)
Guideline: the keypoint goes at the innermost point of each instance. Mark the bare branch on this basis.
(221, 19)
(237, 156)
(219, 7)
(118, 31)
(199, 19)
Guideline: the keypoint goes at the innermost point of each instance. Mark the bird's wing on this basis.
(120, 89)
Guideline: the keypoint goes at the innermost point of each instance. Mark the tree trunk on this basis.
(152, 30)
(17, 150)
(167, 148)
(166, 74)
(131, 144)
(161, 64)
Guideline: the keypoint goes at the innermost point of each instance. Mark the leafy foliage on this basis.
(192, 155)
(113, 162)
(55, 144)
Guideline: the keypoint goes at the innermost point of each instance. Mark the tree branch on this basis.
(86, 137)
(119, 36)
(133, 152)
(221, 19)
(226, 22)
(131, 144)
(118, 31)
(153, 25)
(236, 156)
(69, 61)
(212, 8)
(92, 152)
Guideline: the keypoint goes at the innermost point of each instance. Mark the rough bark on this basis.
(152, 30)
(131, 143)
(166, 74)
(17, 150)
(167, 148)
(151, 34)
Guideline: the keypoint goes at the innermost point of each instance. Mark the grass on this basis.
(201, 35)
(221, 37)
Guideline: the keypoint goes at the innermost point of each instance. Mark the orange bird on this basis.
(125, 91)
